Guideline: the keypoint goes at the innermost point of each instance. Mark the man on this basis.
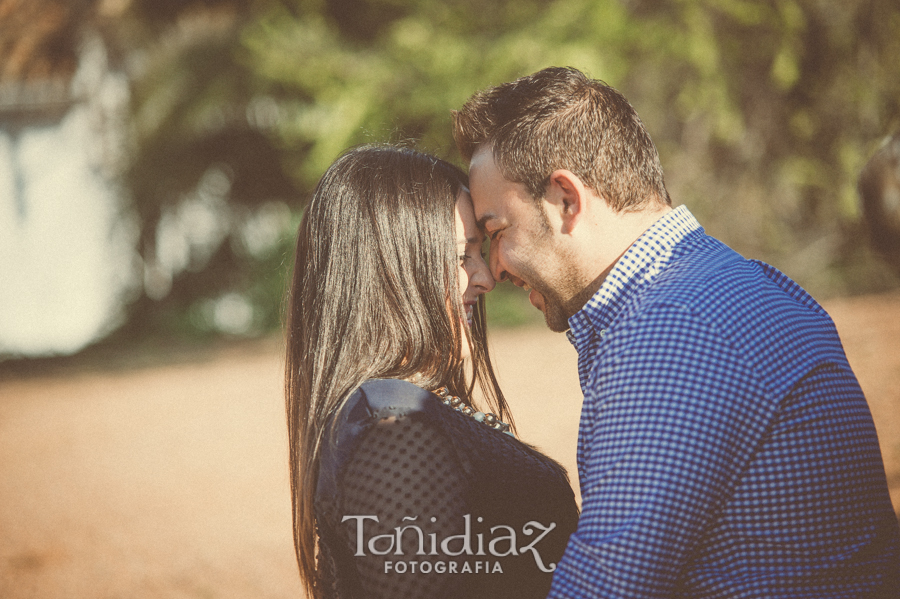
(725, 447)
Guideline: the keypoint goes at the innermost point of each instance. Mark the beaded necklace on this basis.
(460, 406)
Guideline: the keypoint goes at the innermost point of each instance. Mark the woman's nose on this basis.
(482, 277)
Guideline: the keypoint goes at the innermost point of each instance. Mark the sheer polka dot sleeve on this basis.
(405, 473)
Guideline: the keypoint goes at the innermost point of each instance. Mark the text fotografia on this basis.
(442, 567)
(502, 542)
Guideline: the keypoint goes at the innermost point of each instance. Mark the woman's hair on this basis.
(375, 294)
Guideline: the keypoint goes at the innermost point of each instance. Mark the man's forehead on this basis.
(483, 202)
(489, 206)
(482, 159)
(482, 152)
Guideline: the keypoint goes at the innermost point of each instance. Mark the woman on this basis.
(399, 487)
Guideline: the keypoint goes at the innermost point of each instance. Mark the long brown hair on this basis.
(374, 276)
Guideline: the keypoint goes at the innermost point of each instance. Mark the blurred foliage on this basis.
(764, 112)
(205, 181)
(508, 306)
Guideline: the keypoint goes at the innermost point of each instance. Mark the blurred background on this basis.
(155, 155)
(155, 158)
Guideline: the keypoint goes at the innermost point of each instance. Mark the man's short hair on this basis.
(558, 118)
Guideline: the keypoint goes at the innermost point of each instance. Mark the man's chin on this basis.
(554, 316)
(556, 322)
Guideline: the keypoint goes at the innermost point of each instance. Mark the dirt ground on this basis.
(171, 480)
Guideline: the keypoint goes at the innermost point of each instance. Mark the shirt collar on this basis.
(639, 265)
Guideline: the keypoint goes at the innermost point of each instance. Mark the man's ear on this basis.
(568, 195)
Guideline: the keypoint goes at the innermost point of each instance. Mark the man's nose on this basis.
(497, 271)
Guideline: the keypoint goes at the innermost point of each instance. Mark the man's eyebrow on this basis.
(481, 222)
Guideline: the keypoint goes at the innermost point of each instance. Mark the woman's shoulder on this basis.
(375, 401)
(391, 397)
(381, 398)
(378, 399)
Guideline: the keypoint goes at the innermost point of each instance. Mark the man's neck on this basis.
(614, 233)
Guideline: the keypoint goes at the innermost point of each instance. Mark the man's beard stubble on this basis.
(556, 310)
(556, 317)
(565, 282)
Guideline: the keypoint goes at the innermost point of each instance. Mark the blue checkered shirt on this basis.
(725, 447)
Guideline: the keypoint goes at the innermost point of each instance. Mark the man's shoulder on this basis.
(709, 278)
(705, 276)
(745, 303)
(750, 306)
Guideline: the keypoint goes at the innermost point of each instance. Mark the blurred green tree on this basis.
(204, 179)
(764, 112)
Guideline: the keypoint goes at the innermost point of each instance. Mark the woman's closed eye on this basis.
(470, 254)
